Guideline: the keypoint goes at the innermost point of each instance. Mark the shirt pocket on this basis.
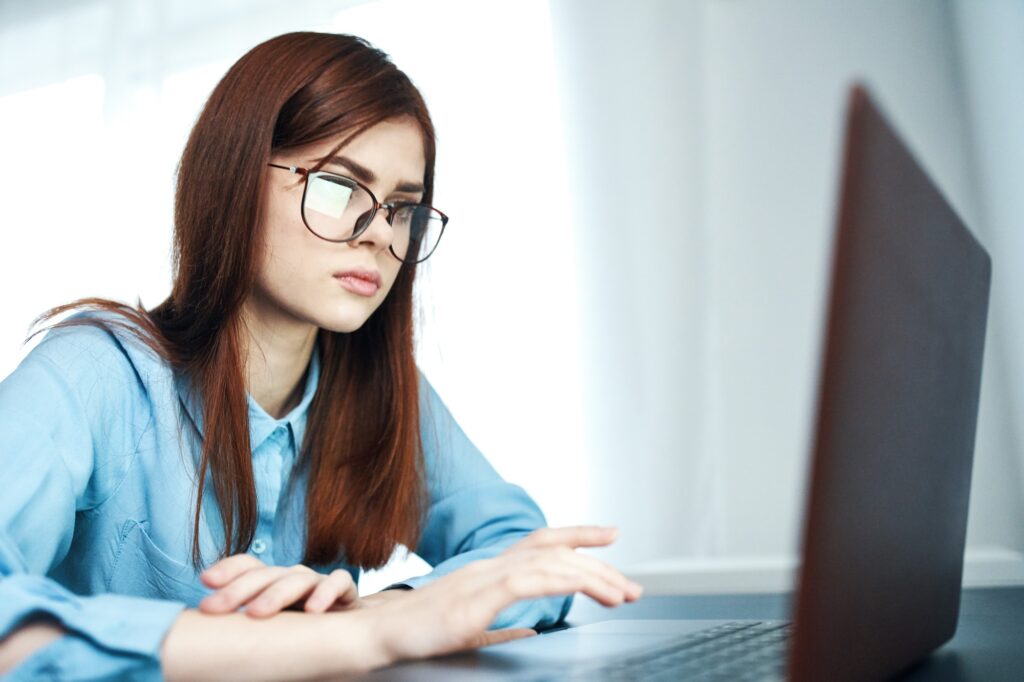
(142, 569)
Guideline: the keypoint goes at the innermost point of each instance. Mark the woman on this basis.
(268, 414)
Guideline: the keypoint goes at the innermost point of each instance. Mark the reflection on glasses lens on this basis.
(337, 208)
(332, 206)
(328, 197)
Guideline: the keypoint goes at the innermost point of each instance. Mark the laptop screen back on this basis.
(891, 466)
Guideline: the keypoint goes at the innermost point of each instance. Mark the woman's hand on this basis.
(264, 590)
(605, 584)
(453, 613)
(448, 615)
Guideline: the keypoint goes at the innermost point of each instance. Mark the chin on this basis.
(343, 322)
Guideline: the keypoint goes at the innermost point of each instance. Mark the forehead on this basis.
(392, 150)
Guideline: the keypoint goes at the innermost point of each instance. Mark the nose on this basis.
(378, 234)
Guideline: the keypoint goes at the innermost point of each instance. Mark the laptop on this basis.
(886, 513)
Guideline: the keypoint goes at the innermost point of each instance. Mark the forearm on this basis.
(287, 646)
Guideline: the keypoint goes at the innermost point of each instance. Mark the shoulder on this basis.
(427, 395)
(435, 419)
(452, 460)
(99, 362)
(97, 348)
(84, 395)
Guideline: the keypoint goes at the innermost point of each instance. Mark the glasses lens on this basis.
(417, 230)
(334, 206)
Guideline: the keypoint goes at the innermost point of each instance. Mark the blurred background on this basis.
(626, 311)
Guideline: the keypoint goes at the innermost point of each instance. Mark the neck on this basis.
(276, 350)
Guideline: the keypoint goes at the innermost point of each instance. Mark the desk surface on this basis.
(989, 641)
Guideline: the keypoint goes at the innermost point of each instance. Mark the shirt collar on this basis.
(261, 424)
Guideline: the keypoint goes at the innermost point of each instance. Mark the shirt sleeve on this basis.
(64, 448)
(474, 513)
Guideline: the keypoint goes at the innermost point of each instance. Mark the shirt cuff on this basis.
(74, 658)
(105, 632)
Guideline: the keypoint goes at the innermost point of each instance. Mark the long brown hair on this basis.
(365, 490)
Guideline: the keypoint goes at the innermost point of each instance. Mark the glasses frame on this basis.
(389, 208)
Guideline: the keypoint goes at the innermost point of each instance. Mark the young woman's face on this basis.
(336, 286)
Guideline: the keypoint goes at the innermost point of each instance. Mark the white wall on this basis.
(636, 141)
(990, 34)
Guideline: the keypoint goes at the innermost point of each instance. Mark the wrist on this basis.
(288, 645)
(364, 629)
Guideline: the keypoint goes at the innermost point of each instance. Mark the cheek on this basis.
(286, 255)
(389, 270)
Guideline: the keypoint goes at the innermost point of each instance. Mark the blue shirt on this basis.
(98, 460)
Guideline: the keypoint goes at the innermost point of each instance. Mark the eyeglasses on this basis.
(336, 208)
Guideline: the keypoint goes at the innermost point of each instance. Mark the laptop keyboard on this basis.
(738, 652)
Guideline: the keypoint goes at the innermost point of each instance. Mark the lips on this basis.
(359, 281)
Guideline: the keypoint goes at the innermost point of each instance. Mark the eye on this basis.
(402, 213)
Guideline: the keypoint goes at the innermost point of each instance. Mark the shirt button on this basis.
(259, 547)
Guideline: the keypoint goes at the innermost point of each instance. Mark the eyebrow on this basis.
(368, 177)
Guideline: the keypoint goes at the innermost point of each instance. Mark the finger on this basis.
(498, 636)
(600, 581)
(241, 589)
(337, 590)
(591, 565)
(226, 570)
(591, 577)
(571, 536)
(592, 585)
(504, 590)
(462, 604)
(521, 575)
(602, 591)
(287, 590)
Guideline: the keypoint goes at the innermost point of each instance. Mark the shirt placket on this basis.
(267, 466)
